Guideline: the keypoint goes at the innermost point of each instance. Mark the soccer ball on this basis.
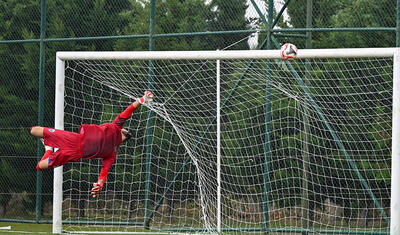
(288, 51)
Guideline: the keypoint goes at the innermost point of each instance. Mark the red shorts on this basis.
(68, 144)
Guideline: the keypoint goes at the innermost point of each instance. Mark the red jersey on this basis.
(102, 141)
(99, 140)
(93, 141)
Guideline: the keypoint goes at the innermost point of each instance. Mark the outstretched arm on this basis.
(122, 117)
(119, 120)
(107, 163)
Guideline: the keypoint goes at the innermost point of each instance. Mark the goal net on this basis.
(234, 142)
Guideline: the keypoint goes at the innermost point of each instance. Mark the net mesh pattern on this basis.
(304, 145)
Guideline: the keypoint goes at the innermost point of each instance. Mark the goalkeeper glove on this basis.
(97, 188)
(147, 98)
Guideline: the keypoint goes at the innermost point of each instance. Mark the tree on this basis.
(364, 14)
(223, 15)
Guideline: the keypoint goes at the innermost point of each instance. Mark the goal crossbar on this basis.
(222, 55)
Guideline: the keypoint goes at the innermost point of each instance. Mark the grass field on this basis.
(42, 229)
(24, 228)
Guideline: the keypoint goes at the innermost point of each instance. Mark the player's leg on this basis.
(37, 131)
(51, 159)
(66, 148)
(44, 163)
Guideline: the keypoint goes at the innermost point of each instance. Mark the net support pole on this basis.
(58, 124)
(268, 116)
(395, 189)
(218, 148)
(267, 150)
(149, 131)
(306, 154)
(39, 175)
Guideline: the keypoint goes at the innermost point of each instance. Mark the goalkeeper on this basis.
(92, 141)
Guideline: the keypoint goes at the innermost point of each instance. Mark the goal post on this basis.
(58, 124)
(207, 165)
(395, 189)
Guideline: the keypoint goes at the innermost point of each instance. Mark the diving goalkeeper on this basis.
(92, 141)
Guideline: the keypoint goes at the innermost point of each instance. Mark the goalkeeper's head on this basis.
(125, 135)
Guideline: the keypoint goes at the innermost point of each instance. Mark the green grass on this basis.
(43, 229)
(25, 228)
(39, 229)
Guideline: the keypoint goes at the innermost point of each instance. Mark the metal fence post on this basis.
(40, 108)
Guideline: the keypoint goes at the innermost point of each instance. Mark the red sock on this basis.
(46, 155)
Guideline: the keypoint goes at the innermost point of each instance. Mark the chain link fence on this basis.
(32, 31)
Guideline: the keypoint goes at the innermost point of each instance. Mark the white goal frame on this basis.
(394, 53)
